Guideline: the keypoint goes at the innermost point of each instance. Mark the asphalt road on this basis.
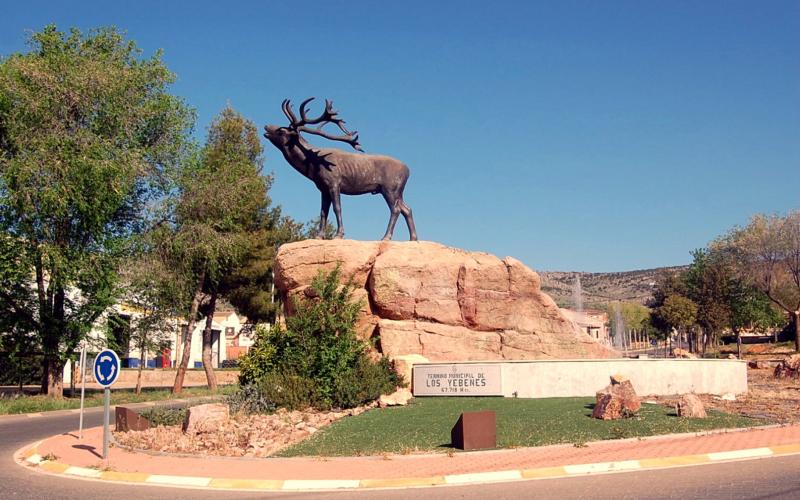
(769, 478)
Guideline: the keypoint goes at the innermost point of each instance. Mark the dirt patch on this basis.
(776, 400)
(241, 436)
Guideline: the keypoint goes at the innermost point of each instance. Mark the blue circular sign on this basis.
(106, 368)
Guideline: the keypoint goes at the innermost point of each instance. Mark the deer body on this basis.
(336, 172)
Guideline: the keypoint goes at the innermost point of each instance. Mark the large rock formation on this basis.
(442, 303)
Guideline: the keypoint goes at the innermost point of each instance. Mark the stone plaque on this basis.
(458, 379)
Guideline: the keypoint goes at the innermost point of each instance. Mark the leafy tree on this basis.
(155, 297)
(711, 283)
(677, 312)
(222, 201)
(668, 282)
(249, 286)
(633, 317)
(767, 254)
(88, 137)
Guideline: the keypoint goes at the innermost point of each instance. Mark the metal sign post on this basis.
(106, 371)
(83, 387)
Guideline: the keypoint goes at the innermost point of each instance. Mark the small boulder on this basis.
(399, 397)
(607, 407)
(690, 406)
(683, 353)
(789, 367)
(618, 378)
(617, 400)
(205, 418)
(403, 365)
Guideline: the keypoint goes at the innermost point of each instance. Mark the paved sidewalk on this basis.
(65, 454)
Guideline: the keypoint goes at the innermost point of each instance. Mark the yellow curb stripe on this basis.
(402, 482)
(653, 463)
(246, 484)
(53, 467)
(543, 472)
(785, 449)
(128, 477)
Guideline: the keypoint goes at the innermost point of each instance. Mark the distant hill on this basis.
(602, 288)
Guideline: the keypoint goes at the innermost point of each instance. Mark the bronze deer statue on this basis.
(336, 172)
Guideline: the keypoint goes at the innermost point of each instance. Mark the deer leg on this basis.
(337, 209)
(394, 206)
(323, 215)
(406, 211)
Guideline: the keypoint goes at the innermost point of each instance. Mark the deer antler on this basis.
(329, 115)
(286, 105)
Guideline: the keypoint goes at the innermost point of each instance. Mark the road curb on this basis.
(29, 456)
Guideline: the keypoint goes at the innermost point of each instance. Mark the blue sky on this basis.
(588, 136)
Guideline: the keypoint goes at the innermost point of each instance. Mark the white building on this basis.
(231, 337)
(591, 322)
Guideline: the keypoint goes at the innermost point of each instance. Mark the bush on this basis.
(290, 391)
(250, 399)
(164, 415)
(365, 382)
(258, 362)
(317, 360)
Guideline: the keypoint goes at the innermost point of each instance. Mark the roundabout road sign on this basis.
(106, 368)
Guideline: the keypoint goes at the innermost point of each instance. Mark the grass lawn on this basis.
(30, 404)
(424, 425)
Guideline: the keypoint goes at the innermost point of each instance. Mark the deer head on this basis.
(289, 135)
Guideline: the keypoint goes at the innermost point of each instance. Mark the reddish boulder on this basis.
(690, 406)
(205, 418)
(789, 367)
(617, 400)
(442, 303)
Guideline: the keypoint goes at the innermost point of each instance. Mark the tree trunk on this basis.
(52, 333)
(796, 318)
(207, 343)
(52, 379)
(142, 358)
(705, 342)
(187, 342)
(739, 345)
(72, 376)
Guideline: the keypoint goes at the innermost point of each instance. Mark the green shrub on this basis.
(364, 383)
(249, 399)
(258, 361)
(290, 391)
(164, 415)
(317, 360)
